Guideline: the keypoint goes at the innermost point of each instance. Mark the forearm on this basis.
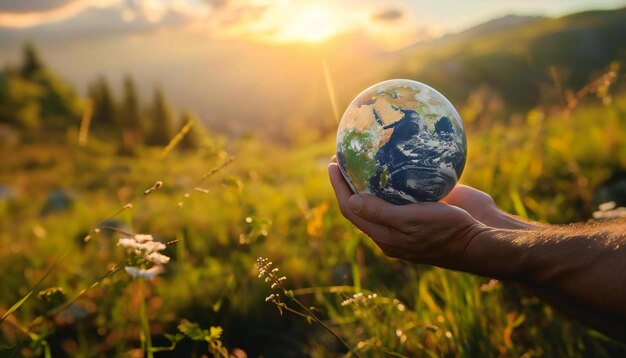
(585, 263)
(497, 218)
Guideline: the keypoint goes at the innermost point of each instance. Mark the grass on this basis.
(275, 201)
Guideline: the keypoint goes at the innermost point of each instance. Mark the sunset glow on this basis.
(308, 24)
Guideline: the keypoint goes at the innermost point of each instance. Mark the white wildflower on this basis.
(141, 238)
(128, 243)
(153, 246)
(141, 243)
(146, 274)
(158, 258)
(144, 247)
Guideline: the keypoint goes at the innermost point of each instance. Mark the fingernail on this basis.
(356, 203)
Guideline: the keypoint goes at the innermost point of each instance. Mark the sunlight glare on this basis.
(310, 24)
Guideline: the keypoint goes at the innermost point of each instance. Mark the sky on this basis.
(392, 24)
(277, 54)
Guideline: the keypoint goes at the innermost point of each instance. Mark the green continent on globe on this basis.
(358, 149)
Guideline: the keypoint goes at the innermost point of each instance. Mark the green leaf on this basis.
(174, 338)
(289, 294)
(16, 306)
(192, 330)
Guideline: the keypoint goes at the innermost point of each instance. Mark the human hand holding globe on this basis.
(403, 141)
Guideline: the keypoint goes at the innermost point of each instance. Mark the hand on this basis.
(432, 233)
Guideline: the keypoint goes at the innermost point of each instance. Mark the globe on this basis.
(403, 141)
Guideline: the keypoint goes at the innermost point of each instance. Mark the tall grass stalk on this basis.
(146, 337)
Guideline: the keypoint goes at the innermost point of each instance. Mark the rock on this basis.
(57, 201)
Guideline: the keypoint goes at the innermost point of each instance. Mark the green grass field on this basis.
(275, 201)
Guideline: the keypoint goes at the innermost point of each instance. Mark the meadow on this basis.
(231, 201)
(124, 232)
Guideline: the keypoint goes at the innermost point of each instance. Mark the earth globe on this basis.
(403, 141)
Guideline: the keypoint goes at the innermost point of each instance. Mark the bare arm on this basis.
(580, 269)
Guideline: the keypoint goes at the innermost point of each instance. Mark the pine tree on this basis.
(59, 104)
(130, 116)
(31, 63)
(161, 120)
(104, 109)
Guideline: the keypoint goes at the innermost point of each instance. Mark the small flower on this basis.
(128, 243)
(141, 238)
(157, 258)
(147, 261)
(148, 274)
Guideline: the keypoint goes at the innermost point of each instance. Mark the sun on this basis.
(309, 23)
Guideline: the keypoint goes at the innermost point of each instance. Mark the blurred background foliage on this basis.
(544, 105)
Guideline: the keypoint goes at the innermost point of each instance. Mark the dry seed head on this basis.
(154, 187)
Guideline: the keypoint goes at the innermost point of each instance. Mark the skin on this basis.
(579, 269)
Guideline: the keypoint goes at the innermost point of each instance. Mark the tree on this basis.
(31, 62)
(160, 120)
(103, 105)
(19, 101)
(59, 104)
(130, 117)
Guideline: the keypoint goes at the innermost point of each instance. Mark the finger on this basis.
(333, 159)
(400, 217)
(342, 190)
(343, 194)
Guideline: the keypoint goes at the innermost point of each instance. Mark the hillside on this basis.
(516, 61)
(510, 56)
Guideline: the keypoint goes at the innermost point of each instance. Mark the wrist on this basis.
(492, 252)
(503, 220)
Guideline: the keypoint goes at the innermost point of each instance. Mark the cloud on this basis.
(96, 23)
(388, 15)
(29, 14)
(22, 6)
(241, 15)
(217, 4)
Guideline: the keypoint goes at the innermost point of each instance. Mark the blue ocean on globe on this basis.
(402, 141)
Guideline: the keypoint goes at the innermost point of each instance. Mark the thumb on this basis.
(378, 211)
